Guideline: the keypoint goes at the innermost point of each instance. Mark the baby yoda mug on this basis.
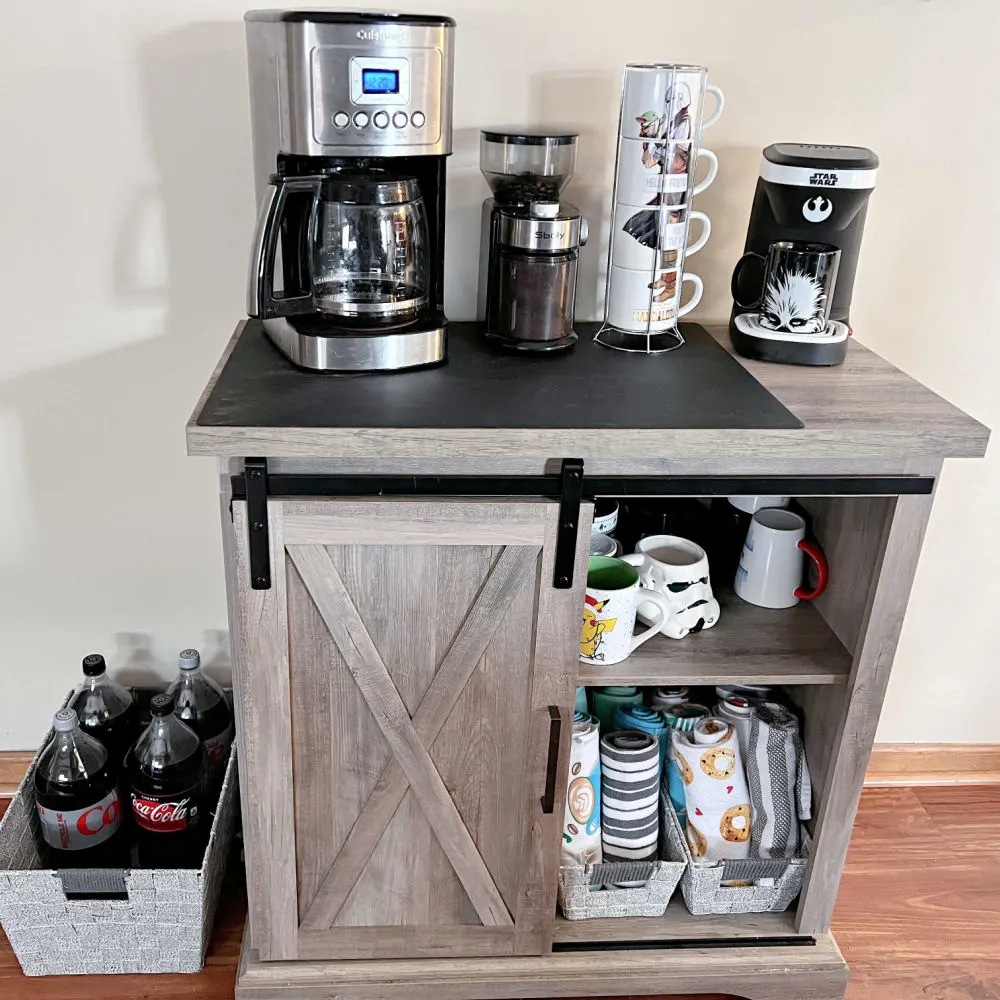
(613, 593)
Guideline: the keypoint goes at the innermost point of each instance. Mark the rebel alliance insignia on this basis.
(817, 209)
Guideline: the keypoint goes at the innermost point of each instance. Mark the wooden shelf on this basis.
(749, 645)
(677, 924)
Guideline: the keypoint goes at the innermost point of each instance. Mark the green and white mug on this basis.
(613, 594)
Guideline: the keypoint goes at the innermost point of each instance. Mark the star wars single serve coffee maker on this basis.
(810, 203)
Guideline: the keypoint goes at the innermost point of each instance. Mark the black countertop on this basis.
(699, 386)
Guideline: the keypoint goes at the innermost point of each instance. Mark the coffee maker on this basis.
(814, 194)
(351, 119)
(531, 239)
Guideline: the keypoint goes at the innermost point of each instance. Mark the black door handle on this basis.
(555, 732)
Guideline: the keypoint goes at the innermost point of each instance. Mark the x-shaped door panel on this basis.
(410, 739)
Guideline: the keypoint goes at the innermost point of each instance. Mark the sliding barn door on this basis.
(394, 689)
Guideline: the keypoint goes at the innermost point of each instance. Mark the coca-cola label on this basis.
(77, 829)
(217, 748)
(166, 813)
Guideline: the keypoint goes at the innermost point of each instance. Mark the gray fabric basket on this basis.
(163, 926)
(701, 883)
(580, 902)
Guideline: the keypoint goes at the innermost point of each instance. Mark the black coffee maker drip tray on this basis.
(698, 387)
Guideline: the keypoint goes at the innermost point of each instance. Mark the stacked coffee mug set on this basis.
(658, 158)
(702, 788)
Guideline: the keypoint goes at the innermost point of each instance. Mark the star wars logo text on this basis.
(823, 179)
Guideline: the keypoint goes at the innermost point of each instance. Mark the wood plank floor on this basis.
(918, 916)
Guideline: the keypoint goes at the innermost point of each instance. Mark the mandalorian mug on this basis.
(796, 292)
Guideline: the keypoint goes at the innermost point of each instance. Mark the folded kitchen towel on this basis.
(645, 720)
(606, 701)
(739, 711)
(663, 698)
(630, 795)
(761, 692)
(683, 717)
(581, 843)
(718, 803)
(581, 700)
(779, 782)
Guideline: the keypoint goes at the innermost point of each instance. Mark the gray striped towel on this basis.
(779, 782)
(630, 795)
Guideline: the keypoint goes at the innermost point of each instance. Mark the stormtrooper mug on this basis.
(677, 570)
(613, 592)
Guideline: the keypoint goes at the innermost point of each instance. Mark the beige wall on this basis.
(126, 216)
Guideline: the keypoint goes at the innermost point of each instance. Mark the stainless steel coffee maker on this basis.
(351, 124)
(531, 239)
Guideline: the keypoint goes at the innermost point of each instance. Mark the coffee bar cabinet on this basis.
(405, 563)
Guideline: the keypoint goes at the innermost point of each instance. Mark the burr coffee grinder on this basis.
(532, 239)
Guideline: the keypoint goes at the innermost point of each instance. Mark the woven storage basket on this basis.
(580, 902)
(702, 881)
(163, 924)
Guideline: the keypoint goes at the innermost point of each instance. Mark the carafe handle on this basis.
(261, 303)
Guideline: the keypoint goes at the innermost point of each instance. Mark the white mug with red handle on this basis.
(772, 563)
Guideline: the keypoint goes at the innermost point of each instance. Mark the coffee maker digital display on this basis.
(351, 126)
(380, 81)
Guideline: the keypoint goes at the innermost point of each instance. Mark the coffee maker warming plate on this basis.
(361, 352)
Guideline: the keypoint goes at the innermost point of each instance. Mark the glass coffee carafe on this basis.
(365, 255)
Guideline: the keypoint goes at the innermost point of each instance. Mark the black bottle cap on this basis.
(162, 704)
(94, 665)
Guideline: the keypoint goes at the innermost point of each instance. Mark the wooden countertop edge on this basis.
(959, 436)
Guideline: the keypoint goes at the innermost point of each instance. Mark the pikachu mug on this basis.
(613, 594)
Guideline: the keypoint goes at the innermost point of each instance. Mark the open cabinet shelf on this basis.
(677, 924)
(748, 645)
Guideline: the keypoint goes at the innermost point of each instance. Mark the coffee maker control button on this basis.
(361, 120)
(417, 119)
(399, 119)
(341, 119)
(381, 119)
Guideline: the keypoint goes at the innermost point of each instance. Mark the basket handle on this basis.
(93, 883)
(753, 869)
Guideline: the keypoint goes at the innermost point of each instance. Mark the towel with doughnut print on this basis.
(718, 801)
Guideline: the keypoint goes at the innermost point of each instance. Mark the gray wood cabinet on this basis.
(397, 686)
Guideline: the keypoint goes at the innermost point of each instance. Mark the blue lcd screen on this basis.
(380, 81)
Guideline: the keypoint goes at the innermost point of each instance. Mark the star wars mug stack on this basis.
(659, 156)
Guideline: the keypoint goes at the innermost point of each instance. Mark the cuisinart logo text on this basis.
(823, 179)
(374, 35)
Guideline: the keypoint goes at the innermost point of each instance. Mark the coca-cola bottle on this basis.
(77, 798)
(166, 778)
(203, 705)
(106, 710)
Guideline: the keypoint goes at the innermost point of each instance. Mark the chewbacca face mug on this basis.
(796, 290)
